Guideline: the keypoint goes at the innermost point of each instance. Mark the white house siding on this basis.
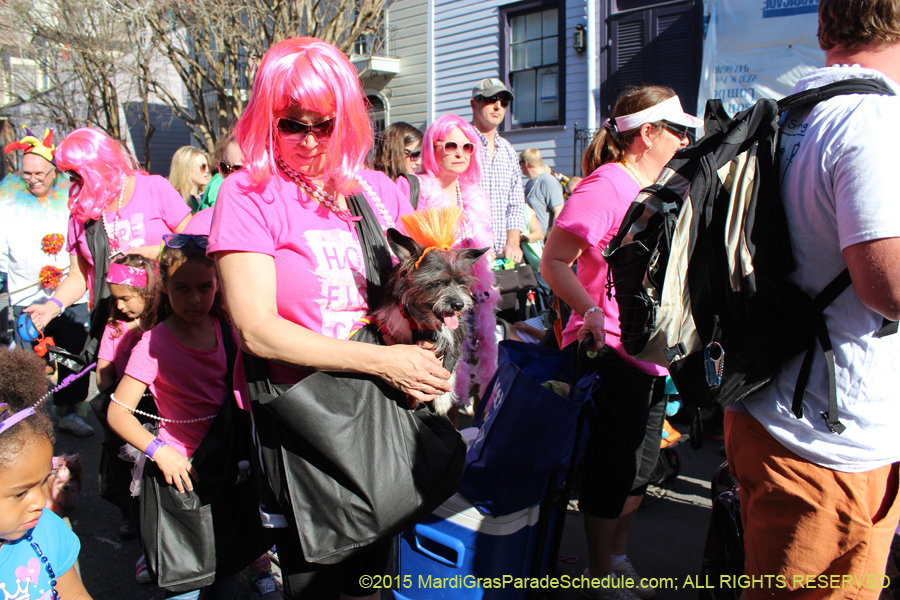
(408, 91)
(466, 49)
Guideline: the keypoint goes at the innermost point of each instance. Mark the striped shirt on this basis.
(501, 180)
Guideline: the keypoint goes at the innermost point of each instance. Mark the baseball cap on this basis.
(491, 86)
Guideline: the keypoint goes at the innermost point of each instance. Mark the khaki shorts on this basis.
(809, 532)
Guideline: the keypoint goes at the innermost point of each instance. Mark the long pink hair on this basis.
(102, 162)
(437, 132)
(316, 76)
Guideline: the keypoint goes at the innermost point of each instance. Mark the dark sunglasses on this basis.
(225, 169)
(504, 102)
(180, 240)
(75, 178)
(413, 154)
(679, 131)
(450, 147)
(297, 132)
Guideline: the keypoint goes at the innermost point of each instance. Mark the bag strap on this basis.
(230, 353)
(413, 189)
(838, 88)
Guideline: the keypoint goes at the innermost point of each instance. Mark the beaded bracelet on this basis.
(590, 310)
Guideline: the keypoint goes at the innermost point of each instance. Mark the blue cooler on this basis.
(445, 554)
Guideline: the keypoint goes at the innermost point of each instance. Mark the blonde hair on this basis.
(180, 171)
(532, 156)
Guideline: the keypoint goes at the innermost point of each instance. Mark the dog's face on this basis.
(438, 289)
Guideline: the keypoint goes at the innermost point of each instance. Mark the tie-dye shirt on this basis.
(22, 574)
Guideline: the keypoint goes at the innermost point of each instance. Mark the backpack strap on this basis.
(413, 189)
(230, 352)
(821, 302)
(838, 88)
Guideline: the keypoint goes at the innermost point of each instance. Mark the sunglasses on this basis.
(679, 131)
(204, 168)
(225, 169)
(413, 154)
(75, 178)
(504, 102)
(450, 147)
(176, 241)
(294, 131)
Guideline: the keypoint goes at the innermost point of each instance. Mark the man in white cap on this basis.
(501, 179)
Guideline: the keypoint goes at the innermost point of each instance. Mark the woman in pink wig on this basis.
(132, 210)
(451, 170)
(290, 257)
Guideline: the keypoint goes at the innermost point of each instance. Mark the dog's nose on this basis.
(457, 305)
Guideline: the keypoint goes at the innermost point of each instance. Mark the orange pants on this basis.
(809, 532)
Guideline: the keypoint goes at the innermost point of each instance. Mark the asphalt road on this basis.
(667, 539)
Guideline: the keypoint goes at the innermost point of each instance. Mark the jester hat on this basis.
(30, 143)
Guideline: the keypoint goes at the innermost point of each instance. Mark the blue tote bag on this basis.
(527, 432)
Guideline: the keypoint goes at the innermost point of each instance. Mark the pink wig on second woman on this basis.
(438, 132)
(313, 75)
(103, 164)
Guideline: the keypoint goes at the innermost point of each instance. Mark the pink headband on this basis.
(124, 275)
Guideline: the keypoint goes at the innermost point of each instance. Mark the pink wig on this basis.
(438, 132)
(313, 75)
(102, 162)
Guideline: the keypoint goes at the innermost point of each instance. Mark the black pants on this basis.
(624, 445)
(69, 332)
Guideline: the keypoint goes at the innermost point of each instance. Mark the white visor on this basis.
(668, 110)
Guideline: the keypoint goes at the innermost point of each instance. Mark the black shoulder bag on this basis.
(195, 538)
(413, 189)
(348, 463)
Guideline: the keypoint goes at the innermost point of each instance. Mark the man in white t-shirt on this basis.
(34, 207)
(820, 508)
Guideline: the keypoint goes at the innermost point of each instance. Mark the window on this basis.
(534, 68)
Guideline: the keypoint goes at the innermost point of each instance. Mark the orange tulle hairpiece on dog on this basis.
(433, 228)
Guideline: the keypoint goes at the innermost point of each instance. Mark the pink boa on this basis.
(479, 359)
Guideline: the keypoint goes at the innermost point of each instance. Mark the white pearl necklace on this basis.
(329, 201)
(114, 234)
(463, 219)
(636, 176)
(146, 414)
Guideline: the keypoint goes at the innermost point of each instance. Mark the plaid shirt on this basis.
(501, 180)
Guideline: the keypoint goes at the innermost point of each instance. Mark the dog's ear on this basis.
(403, 247)
(470, 255)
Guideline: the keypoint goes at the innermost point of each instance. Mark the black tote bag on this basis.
(192, 539)
(348, 462)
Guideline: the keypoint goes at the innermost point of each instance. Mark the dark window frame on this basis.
(505, 13)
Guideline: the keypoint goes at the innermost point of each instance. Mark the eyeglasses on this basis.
(75, 178)
(504, 102)
(413, 154)
(679, 131)
(450, 147)
(203, 168)
(36, 176)
(225, 169)
(294, 131)
(180, 240)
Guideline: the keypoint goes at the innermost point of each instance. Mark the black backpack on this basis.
(701, 260)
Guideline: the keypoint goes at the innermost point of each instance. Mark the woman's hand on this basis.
(177, 469)
(414, 370)
(42, 314)
(593, 325)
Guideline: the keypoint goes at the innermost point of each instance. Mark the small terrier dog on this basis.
(426, 298)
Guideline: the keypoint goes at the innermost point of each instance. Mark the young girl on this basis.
(132, 286)
(183, 362)
(37, 549)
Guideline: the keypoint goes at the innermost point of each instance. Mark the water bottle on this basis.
(243, 471)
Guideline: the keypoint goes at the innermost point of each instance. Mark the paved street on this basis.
(667, 540)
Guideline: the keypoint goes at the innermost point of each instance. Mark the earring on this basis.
(649, 148)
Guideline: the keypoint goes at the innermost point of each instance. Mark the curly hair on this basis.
(173, 257)
(22, 384)
(607, 147)
(390, 148)
(149, 294)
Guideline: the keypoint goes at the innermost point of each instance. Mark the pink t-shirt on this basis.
(154, 210)
(117, 349)
(594, 212)
(200, 223)
(319, 266)
(186, 383)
